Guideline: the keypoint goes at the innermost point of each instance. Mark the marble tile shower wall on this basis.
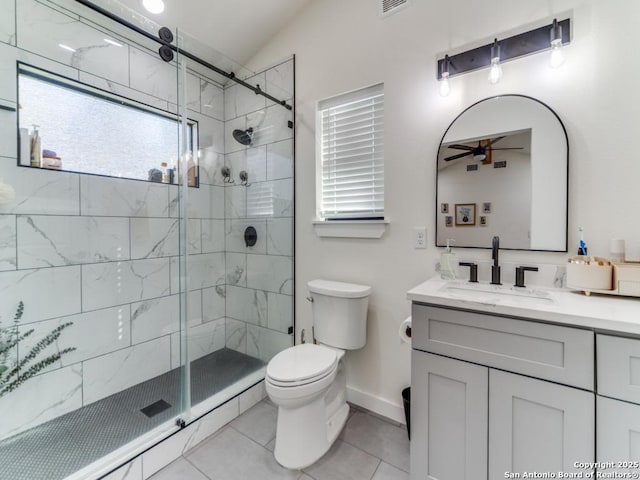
(260, 278)
(102, 252)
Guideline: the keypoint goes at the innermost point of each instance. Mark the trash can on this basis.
(406, 401)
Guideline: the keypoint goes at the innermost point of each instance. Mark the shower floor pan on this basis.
(64, 445)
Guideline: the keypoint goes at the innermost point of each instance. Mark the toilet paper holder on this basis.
(405, 330)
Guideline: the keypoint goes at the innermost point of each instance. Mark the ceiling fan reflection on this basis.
(479, 152)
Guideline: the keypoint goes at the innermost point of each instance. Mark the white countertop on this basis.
(617, 314)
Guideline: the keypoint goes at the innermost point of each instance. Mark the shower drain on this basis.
(155, 408)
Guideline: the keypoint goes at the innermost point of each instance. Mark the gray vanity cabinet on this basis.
(478, 410)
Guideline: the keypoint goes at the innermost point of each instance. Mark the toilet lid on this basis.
(301, 362)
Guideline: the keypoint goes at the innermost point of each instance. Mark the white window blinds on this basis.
(352, 154)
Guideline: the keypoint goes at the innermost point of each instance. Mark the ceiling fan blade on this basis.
(509, 148)
(460, 155)
(457, 146)
(497, 139)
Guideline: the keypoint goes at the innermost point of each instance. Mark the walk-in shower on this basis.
(131, 303)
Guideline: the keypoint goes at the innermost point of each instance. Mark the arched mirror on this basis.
(503, 170)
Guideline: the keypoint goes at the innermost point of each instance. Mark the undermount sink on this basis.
(498, 294)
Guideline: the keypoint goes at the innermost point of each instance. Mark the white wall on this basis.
(342, 45)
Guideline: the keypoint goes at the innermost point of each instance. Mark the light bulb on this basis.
(557, 57)
(444, 77)
(555, 39)
(153, 6)
(444, 85)
(495, 72)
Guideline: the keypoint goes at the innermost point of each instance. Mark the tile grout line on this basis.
(215, 434)
(366, 453)
(194, 466)
(372, 455)
(377, 468)
(247, 436)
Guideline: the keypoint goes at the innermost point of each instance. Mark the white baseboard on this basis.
(378, 405)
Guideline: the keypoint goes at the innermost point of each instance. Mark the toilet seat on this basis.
(301, 365)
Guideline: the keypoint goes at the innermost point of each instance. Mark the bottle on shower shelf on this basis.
(165, 172)
(191, 173)
(36, 148)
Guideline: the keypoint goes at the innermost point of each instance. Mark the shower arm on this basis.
(230, 75)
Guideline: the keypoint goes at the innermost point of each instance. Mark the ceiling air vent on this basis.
(389, 7)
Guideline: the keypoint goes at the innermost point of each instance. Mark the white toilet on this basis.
(307, 381)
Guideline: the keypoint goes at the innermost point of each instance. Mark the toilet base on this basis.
(305, 434)
(300, 442)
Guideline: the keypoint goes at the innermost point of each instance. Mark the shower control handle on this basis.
(310, 299)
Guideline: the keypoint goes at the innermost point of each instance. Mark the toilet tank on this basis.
(339, 313)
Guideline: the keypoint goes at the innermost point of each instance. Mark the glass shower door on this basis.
(89, 290)
(186, 178)
(240, 224)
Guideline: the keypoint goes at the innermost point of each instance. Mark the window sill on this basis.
(350, 228)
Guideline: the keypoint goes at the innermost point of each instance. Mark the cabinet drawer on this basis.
(619, 367)
(550, 352)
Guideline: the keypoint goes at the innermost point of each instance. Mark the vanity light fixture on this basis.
(495, 71)
(547, 37)
(444, 78)
(153, 6)
(557, 56)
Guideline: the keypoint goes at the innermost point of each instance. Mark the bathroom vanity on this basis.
(509, 380)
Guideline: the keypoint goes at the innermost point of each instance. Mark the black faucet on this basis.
(520, 275)
(473, 271)
(495, 268)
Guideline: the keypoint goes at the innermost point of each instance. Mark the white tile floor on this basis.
(368, 449)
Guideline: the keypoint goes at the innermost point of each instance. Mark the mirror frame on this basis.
(566, 139)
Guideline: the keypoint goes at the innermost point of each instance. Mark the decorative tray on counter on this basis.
(598, 275)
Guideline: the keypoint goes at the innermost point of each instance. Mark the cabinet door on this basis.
(618, 434)
(537, 426)
(449, 407)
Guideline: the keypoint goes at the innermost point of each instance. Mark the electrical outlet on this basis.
(420, 237)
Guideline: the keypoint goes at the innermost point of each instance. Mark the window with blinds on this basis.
(351, 149)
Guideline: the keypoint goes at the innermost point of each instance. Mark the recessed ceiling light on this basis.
(113, 42)
(153, 6)
(66, 47)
